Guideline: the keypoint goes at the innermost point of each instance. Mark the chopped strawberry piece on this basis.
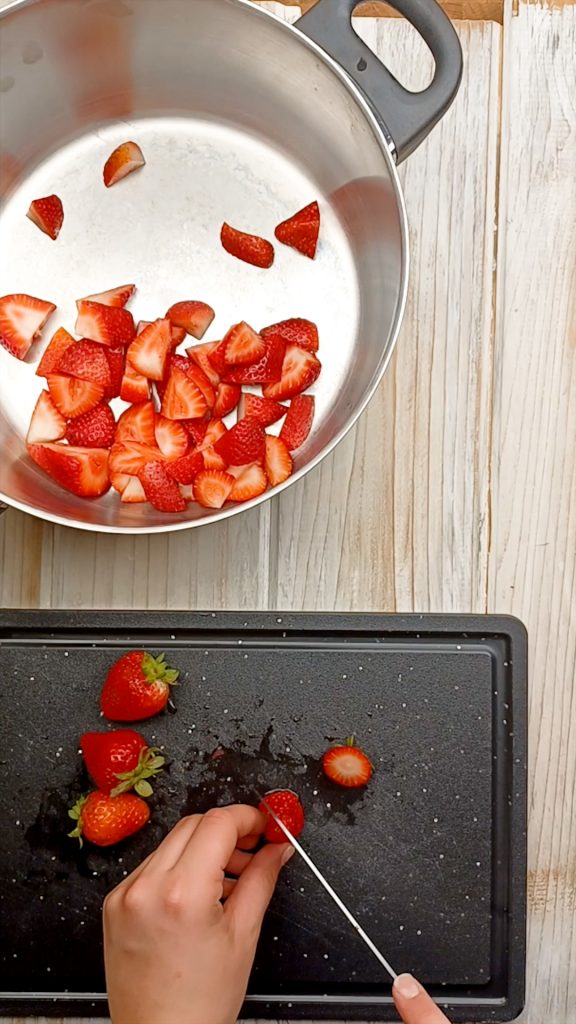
(148, 353)
(299, 370)
(200, 354)
(172, 438)
(129, 458)
(84, 471)
(22, 318)
(193, 317)
(93, 429)
(54, 351)
(243, 443)
(264, 410)
(117, 297)
(267, 370)
(47, 424)
(116, 358)
(196, 429)
(243, 345)
(217, 358)
(227, 398)
(86, 360)
(295, 332)
(178, 335)
(301, 231)
(47, 214)
(126, 158)
(212, 488)
(186, 469)
(193, 372)
(133, 493)
(135, 387)
(249, 248)
(187, 492)
(161, 491)
(298, 422)
(109, 325)
(278, 461)
(250, 484)
(216, 429)
(71, 396)
(183, 400)
(138, 424)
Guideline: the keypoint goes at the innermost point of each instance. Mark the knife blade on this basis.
(331, 892)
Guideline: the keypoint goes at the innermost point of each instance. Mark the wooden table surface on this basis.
(457, 490)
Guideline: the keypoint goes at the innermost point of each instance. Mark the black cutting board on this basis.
(430, 856)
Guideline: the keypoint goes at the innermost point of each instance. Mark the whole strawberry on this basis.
(137, 686)
(120, 760)
(288, 808)
(105, 820)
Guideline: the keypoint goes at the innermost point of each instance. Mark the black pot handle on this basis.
(407, 116)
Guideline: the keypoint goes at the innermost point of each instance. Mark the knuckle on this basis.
(136, 898)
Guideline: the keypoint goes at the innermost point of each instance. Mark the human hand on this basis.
(174, 953)
(414, 1004)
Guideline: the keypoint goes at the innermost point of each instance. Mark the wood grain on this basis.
(475, 10)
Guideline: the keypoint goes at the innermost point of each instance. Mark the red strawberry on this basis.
(132, 493)
(22, 318)
(193, 317)
(128, 458)
(117, 297)
(212, 488)
(250, 484)
(249, 248)
(217, 357)
(347, 765)
(242, 345)
(107, 324)
(105, 820)
(227, 398)
(295, 332)
(71, 396)
(87, 361)
(47, 214)
(193, 372)
(242, 444)
(47, 424)
(134, 387)
(264, 410)
(126, 158)
(116, 358)
(299, 371)
(301, 231)
(138, 424)
(288, 809)
(200, 354)
(186, 469)
(160, 489)
(120, 760)
(268, 369)
(298, 422)
(94, 429)
(149, 351)
(183, 400)
(172, 438)
(197, 430)
(54, 351)
(137, 686)
(84, 471)
(278, 461)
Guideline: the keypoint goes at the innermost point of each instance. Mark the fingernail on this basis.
(407, 986)
(288, 853)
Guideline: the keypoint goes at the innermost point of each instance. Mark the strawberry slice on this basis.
(193, 317)
(117, 297)
(186, 469)
(227, 398)
(301, 231)
(86, 360)
(138, 424)
(264, 410)
(116, 358)
(183, 400)
(149, 351)
(249, 248)
(54, 351)
(196, 429)
(47, 214)
(132, 493)
(172, 439)
(134, 386)
(161, 491)
(242, 444)
(243, 346)
(212, 488)
(266, 371)
(347, 765)
(250, 484)
(216, 429)
(200, 354)
(299, 370)
(296, 331)
(93, 429)
(278, 461)
(47, 424)
(71, 396)
(109, 325)
(298, 422)
(22, 318)
(83, 471)
(126, 158)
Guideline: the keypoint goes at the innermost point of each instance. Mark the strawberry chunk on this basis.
(186, 469)
(117, 297)
(83, 471)
(183, 400)
(299, 371)
(216, 429)
(217, 358)
(93, 429)
(212, 488)
(242, 444)
(116, 358)
(149, 351)
(193, 317)
(126, 158)
(250, 484)
(47, 214)
(109, 325)
(135, 387)
(161, 491)
(227, 398)
(201, 356)
(133, 493)
(72, 396)
(47, 424)
(243, 346)
(265, 371)
(138, 424)
(278, 461)
(86, 360)
(194, 373)
(264, 410)
(22, 318)
(301, 231)
(296, 331)
(172, 438)
(298, 422)
(196, 429)
(128, 458)
(54, 351)
(249, 248)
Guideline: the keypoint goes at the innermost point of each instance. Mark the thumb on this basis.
(414, 1004)
(255, 887)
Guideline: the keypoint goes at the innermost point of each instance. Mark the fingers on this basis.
(212, 844)
(238, 862)
(414, 1004)
(253, 891)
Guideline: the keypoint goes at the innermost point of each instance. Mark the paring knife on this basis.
(339, 903)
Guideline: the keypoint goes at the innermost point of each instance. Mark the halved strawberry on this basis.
(117, 297)
(86, 360)
(54, 351)
(200, 354)
(161, 491)
(172, 438)
(116, 359)
(126, 158)
(110, 325)
(242, 444)
(196, 429)
(71, 396)
(347, 765)
(296, 331)
(301, 231)
(298, 422)
(250, 484)
(278, 461)
(193, 317)
(249, 248)
(133, 493)
(186, 469)
(149, 351)
(264, 410)
(227, 398)
(47, 214)
(47, 424)
(135, 387)
(299, 370)
(138, 424)
(267, 370)
(83, 471)
(22, 318)
(212, 488)
(183, 400)
(242, 345)
(93, 429)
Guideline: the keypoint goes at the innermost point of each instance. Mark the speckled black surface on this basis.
(422, 855)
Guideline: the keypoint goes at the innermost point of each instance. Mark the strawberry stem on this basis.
(350, 741)
(156, 670)
(149, 764)
(75, 813)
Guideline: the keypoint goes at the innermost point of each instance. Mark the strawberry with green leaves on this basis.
(136, 687)
(106, 820)
(121, 760)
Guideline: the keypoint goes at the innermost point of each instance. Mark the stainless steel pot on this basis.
(241, 118)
